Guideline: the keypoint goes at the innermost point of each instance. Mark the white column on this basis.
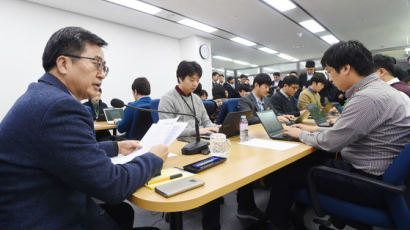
(190, 52)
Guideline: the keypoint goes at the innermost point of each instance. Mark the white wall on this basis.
(190, 51)
(25, 28)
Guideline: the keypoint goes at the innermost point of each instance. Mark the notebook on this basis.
(168, 172)
(302, 117)
(317, 115)
(272, 126)
(113, 113)
(230, 127)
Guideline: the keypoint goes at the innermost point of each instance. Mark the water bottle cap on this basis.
(243, 116)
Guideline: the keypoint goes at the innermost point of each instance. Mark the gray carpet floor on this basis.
(229, 221)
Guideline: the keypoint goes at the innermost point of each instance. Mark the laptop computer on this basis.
(113, 113)
(101, 116)
(317, 115)
(230, 126)
(327, 108)
(272, 126)
(302, 117)
(338, 107)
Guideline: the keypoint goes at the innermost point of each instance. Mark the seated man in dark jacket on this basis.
(283, 101)
(258, 101)
(53, 166)
(97, 106)
(141, 89)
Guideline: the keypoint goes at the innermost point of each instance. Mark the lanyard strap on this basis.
(189, 107)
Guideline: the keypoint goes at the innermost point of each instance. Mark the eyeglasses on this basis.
(99, 62)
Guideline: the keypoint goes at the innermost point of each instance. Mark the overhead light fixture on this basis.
(286, 57)
(407, 49)
(197, 25)
(220, 70)
(137, 5)
(240, 62)
(281, 5)
(222, 58)
(252, 65)
(330, 39)
(267, 50)
(312, 26)
(243, 41)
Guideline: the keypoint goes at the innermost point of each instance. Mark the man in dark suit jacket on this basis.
(305, 77)
(257, 100)
(277, 84)
(97, 106)
(50, 162)
(229, 86)
(283, 101)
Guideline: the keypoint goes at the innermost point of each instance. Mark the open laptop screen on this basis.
(112, 114)
(316, 113)
(269, 121)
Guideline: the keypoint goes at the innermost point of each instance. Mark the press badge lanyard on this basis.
(189, 107)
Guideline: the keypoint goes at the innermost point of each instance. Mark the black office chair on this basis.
(141, 122)
(210, 107)
(395, 184)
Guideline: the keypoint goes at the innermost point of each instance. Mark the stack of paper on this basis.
(164, 132)
(269, 144)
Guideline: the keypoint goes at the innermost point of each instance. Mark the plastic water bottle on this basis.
(243, 129)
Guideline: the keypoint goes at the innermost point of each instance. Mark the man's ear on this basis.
(345, 70)
(63, 64)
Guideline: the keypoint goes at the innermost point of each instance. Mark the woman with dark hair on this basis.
(204, 95)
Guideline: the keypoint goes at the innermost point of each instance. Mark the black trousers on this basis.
(122, 214)
(245, 197)
(293, 177)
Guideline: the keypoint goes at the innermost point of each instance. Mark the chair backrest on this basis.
(141, 122)
(210, 107)
(399, 174)
(229, 105)
(154, 105)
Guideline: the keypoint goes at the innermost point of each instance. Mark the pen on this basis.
(165, 178)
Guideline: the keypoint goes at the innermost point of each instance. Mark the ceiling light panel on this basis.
(240, 62)
(312, 26)
(281, 5)
(286, 57)
(222, 58)
(197, 25)
(330, 39)
(267, 50)
(243, 41)
(137, 5)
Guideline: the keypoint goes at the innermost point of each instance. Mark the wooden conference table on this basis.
(244, 165)
(103, 125)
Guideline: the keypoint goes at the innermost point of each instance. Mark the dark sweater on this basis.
(284, 105)
(401, 86)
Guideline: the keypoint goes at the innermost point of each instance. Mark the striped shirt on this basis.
(372, 130)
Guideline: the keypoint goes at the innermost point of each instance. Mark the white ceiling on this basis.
(379, 24)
